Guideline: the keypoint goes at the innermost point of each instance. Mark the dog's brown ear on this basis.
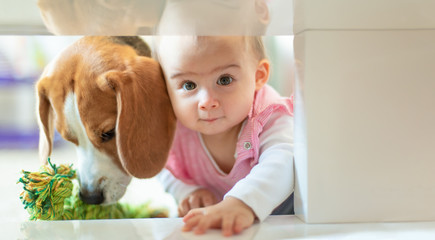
(45, 121)
(145, 121)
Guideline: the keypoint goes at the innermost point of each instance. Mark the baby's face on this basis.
(211, 81)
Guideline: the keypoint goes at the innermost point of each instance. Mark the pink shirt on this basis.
(190, 161)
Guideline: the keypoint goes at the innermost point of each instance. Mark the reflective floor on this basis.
(275, 227)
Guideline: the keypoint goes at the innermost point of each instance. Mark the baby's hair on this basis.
(257, 45)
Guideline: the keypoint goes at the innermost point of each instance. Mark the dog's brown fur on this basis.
(116, 88)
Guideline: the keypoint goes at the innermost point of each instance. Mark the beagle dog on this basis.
(108, 97)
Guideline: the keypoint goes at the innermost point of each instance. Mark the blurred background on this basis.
(22, 59)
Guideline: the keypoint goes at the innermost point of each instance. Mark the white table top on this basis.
(274, 227)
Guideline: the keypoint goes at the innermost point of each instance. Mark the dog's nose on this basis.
(92, 197)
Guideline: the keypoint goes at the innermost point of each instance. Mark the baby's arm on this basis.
(271, 181)
(268, 184)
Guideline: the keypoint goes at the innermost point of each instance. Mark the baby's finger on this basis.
(192, 213)
(240, 223)
(204, 224)
(183, 208)
(208, 200)
(227, 225)
(194, 202)
(191, 223)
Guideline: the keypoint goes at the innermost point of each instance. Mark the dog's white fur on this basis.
(93, 165)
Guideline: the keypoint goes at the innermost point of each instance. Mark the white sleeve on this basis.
(177, 188)
(271, 181)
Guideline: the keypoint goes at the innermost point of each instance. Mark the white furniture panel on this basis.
(365, 125)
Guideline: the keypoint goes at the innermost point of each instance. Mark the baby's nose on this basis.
(208, 105)
(208, 102)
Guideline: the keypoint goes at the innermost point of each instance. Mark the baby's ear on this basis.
(262, 73)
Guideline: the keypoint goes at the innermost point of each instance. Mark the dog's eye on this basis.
(106, 136)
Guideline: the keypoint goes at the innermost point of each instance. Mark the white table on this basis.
(274, 227)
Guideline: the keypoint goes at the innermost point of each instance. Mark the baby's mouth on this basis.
(209, 120)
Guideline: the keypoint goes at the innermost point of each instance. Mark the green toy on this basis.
(51, 194)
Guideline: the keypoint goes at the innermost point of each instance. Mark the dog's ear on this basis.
(145, 122)
(45, 121)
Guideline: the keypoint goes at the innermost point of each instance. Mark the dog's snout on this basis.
(92, 197)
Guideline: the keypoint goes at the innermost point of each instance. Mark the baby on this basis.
(231, 161)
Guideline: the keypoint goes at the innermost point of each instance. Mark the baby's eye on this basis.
(225, 80)
(188, 86)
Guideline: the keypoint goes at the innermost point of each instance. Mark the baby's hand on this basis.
(232, 215)
(199, 198)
